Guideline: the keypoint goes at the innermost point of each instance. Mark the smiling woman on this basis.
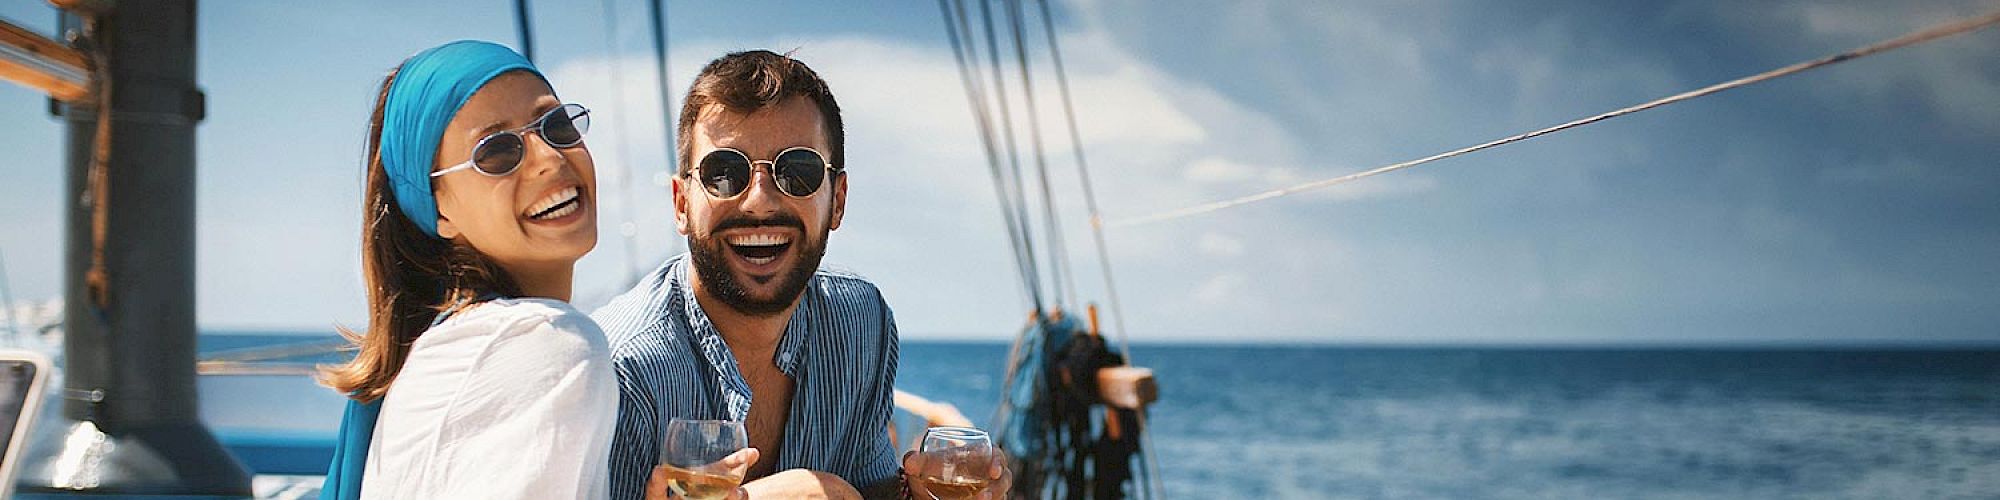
(476, 378)
(512, 219)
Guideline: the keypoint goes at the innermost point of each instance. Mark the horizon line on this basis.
(1460, 343)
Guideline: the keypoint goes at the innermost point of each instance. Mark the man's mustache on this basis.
(778, 220)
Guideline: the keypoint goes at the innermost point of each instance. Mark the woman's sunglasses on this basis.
(500, 153)
(798, 171)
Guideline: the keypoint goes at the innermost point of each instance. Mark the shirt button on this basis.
(785, 358)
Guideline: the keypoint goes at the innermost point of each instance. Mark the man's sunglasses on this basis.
(499, 153)
(798, 171)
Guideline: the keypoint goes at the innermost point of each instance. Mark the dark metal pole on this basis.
(129, 378)
(526, 26)
(666, 86)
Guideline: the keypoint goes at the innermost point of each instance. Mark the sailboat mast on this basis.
(129, 289)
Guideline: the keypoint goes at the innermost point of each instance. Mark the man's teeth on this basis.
(541, 209)
(759, 240)
(750, 246)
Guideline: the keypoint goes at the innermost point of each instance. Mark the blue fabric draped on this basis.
(350, 451)
(1026, 420)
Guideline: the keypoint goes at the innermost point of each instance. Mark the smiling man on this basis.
(746, 326)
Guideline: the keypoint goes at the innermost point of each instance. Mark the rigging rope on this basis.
(975, 97)
(97, 192)
(1046, 416)
(1151, 482)
(1089, 194)
(1020, 201)
(966, 54)
(1921, 36)
(1059, 266)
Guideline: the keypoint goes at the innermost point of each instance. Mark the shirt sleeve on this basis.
(635, 445)
(881, 461)
(533, 417)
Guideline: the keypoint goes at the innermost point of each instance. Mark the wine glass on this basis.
(957, 462)
(692, 453)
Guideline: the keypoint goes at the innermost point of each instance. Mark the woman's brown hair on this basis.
(411, 277)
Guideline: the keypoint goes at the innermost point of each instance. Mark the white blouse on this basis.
(512, 398)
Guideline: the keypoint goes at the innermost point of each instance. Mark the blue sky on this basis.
(1852, 204)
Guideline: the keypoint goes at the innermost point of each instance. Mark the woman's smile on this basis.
(561, 206)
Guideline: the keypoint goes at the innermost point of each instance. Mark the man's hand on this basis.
(1002, 480)
(738, 464)
(802, 483)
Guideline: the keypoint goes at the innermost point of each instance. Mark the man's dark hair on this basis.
(744, 82)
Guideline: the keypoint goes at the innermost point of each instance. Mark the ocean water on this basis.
(1347, 422)
(1328, 422)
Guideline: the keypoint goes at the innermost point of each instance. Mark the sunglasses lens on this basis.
(498, 154)
(724, 173)
(565, 126)
(799, 172)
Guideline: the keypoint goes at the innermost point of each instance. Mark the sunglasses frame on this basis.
(769, 166)
(536, 125)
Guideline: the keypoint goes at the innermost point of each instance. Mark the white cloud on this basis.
(1221, 288)
(1133, 107)
(1219, 170)
(921, 201)
(1219, 246)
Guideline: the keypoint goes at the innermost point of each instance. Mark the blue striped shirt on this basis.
(839, 349)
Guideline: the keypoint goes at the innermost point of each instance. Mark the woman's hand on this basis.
(1002, 479)
(738, 464)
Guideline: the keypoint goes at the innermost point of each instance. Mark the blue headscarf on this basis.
(427, 93)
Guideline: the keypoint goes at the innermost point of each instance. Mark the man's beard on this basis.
(711, 263)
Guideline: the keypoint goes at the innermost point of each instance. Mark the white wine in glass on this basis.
(957, 462)
(692, 454)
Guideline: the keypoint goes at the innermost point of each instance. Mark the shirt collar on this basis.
(789, 355)
(708, 343)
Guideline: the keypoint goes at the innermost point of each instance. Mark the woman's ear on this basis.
(446, 229)
(446, 203)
